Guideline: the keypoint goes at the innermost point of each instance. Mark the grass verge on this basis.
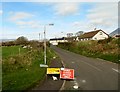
(19, 72)
(104, 49)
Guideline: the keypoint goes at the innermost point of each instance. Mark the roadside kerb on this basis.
(62, 87)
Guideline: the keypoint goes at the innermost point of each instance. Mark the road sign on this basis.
(43, 65)
(67, 73)
(53, 70)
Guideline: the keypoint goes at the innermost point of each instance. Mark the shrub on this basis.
(105, 40)
(105, 49)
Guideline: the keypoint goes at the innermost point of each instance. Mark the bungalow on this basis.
(55, 41)
(71, 39)
(94, 35)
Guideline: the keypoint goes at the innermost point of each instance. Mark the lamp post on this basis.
(45, 62)
(39, 37)
(44, 44)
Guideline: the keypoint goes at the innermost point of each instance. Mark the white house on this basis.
(94, 35)
(55, 41)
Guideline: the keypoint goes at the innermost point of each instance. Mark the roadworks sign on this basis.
(53, 70)
(67, 73)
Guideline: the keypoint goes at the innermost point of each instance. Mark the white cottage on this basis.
(55, 41)
(94, 35)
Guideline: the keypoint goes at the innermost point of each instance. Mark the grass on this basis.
(111, 57)
(23, 71)
(11, 51)
(22, 79)
(0, 76)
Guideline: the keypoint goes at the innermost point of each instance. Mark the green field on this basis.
(21, 72)
(0, 69)
(12, 50)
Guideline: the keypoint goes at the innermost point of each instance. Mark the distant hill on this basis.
(6, 40)
(117, 31)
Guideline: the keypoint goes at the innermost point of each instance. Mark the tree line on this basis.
(23, 41)
(19, 41)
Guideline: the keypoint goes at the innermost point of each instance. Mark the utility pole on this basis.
(45, 62)
(39, 43)
(45, 44)
(39, 37)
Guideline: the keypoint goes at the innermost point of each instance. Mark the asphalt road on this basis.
(90, 73)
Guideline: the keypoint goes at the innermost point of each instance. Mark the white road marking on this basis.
(115, 70)
(92, 66)
(75, 85)
(84, 81)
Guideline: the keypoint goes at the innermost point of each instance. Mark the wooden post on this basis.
(19, 51)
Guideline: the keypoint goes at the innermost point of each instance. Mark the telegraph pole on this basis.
(44, 44)
(45, 62)
(39, 37)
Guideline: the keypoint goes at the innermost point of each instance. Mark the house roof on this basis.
(116, 32)
(57, 39)
(90, 34)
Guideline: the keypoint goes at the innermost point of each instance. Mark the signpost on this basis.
(66, 73)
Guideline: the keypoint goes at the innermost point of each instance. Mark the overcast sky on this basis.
(28, 18)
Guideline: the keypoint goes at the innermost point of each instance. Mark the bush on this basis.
(23, 67)
(16, 62)
(21, 40)
(106, 49)
(105, 40)
(10, 43)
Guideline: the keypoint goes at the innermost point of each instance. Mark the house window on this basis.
(100, 33)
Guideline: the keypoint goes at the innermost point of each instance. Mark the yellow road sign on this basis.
(53, 70)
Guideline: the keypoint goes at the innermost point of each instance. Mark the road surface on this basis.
(90, 73)
(49, 84)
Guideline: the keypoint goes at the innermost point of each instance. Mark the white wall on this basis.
(55, 42)
(77, 39)
(100, 37)
(52, 41)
